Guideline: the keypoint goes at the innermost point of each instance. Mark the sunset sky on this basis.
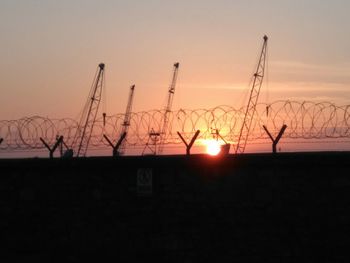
(50, 51)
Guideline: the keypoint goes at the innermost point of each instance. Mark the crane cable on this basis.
(267, 94)
(104, 101)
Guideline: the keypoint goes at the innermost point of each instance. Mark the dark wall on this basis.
(276, 208)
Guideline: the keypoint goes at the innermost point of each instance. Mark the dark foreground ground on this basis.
(248, 208)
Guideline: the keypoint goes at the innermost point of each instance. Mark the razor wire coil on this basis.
(305, 120)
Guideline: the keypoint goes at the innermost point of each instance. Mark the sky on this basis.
(50, 51)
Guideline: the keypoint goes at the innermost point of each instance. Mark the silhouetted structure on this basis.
(88, 117)
(196, 208)
(253, 101)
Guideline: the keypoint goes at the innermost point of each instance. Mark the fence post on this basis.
(115, 147)
(189, 146)
(276, 140)
(51, 151)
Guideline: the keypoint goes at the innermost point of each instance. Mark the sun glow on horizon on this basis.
(213, 147)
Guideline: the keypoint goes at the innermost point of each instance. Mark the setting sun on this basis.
(213, 147)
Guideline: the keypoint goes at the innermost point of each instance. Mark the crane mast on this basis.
(171, 92)
(253, 99)
(88, 117)
(156, 139)
(126, 122)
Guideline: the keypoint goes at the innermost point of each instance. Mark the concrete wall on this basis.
(277, 208)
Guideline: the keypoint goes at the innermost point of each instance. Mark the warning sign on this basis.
(144, 181)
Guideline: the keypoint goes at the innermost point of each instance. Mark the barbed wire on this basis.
(305, 120)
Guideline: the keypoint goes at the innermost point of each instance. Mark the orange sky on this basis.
(50, 51)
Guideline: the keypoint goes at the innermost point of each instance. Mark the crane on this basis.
(126, 122)
(88, 116)
(253, 99)
(167, 111)
(159, 137)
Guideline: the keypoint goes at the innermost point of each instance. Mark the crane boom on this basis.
(171, 92)
(156, 139)
(88, 117)
(253, 99)
(126, 122)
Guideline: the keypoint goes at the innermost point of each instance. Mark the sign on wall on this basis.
(144, 181)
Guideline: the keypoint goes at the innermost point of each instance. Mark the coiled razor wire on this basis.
(305, 120)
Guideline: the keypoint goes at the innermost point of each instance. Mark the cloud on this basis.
(222, 86)
(314, 91)
(304, 86)
(297, 67)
